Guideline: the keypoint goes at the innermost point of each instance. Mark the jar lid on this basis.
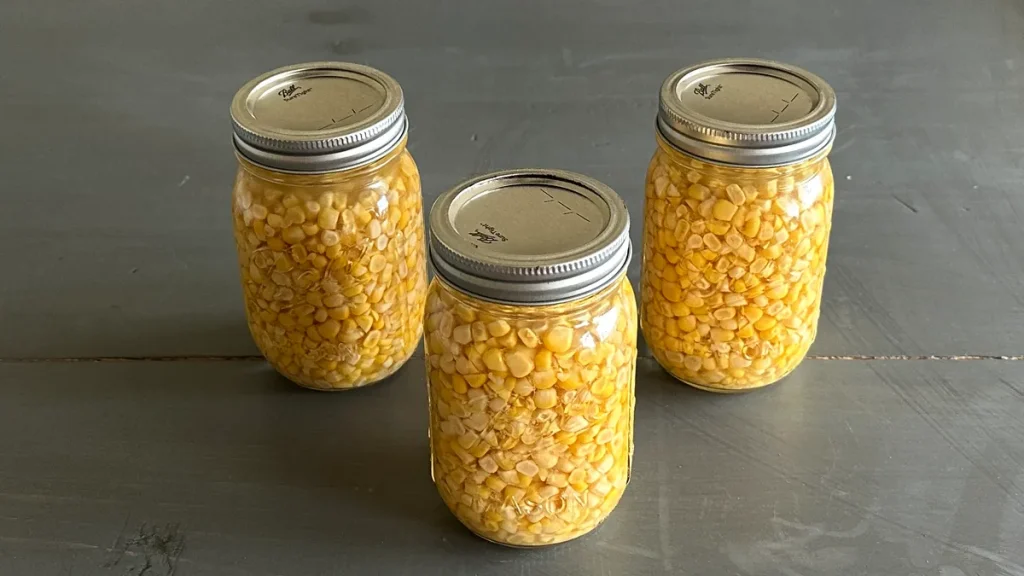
(318, 117)
(747, 112)
(530, 236)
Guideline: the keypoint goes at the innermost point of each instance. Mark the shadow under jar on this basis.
(530, 333)
(737, 216)
(328, 223)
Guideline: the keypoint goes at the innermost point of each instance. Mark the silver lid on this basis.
(747, 112)
(318, 117)
(530, 236)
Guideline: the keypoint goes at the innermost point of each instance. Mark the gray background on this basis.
(140, 436)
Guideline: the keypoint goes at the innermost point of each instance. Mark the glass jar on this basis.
(328, 223)
(531, 354)
(736, 222)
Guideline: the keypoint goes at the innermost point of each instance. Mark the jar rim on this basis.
(747, 112)
(318, 117)
(530, 236)
(820, 153)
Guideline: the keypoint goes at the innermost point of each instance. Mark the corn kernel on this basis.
(546, 407)
(498, 328)
(724, 209)
(542, 360)
(750, 276)
(528, 337)
(319, 269)
(519, 364)
(558, 339)
(735, 194)
(698, 192)
(545, 398)
(544, 379)
(494, 360)
(722, 335)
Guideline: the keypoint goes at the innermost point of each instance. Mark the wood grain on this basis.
(117, 162)
(222, 469)
(898, 450)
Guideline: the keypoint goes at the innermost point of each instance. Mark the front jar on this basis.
(331, 241)
(736, 223)
(531, 355)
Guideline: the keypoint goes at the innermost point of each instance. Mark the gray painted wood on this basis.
(116, 159)
(224, 469)
(115, 240)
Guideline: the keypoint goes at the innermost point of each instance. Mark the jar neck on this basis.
(811, 162)
(513, 308)
(323, 178)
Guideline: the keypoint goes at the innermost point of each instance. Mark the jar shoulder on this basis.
(681, 168)
(613, 305)
(396, 170)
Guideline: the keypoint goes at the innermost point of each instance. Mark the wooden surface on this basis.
(222, 469)
(116, 165)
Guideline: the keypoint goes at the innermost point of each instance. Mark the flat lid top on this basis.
(315, 103)
(747, 97)
(529, 235)
(529, 220)
(316, 107)
(747, 112)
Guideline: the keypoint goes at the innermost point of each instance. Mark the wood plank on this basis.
(223, 469)
(116, 156)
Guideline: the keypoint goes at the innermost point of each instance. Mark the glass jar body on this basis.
(531, 411)
(333, 270)
(733, 267)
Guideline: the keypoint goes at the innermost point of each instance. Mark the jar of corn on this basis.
(736, 222)
(531, 354)
(328, 223)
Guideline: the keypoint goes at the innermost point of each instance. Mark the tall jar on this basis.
(736, 222)
(328, 223)
(531, 354)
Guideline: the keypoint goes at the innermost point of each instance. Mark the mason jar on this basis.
(531, 354)
(736, 222)
(328, 223)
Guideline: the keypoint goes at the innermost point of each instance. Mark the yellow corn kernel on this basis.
(672, 292)
(498, 328)
(542, 361)
(722, 335)
(693, 301)
(680, 309)
(542, 380)
(772, 333)
(329, 329)
(550, 402)
(544, 399)
(528, 337)
(735, 193)
(752, 313)
(724, 209)
(494, 483)
(518, 363)
(494, 360)
(558, 339)
(751, 227)
(688, 323)
(698, 192)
